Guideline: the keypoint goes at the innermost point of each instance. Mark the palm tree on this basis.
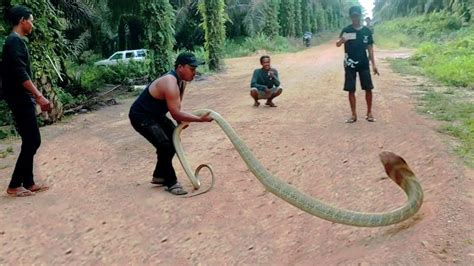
(287, 18)
(388, 9)
(188, 33)
(298, 18)
(159, 33)
(271, 27)
(214, 17)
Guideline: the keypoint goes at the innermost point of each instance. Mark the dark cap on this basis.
(188, 58)
(355, 10)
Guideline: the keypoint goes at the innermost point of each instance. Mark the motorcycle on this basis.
(307, 39)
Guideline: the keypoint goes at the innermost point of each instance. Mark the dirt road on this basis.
(101, 208)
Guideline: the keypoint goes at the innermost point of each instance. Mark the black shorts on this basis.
(364, 77)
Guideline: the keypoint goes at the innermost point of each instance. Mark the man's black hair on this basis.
(18, 12)
(264, 57)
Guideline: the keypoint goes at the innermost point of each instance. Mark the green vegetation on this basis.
(159, 33)
(456, 108)
(250, 45)
(404, 66)
(71, 34)
(444, 51)
(411, 31)
(390, 9)
(6, 152)
(213, 23)
(451, 62)
(453, 105)
(6, 121)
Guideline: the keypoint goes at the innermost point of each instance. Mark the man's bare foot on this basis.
(19, 192)
(38, 188)
(271, 104)
(256, 104)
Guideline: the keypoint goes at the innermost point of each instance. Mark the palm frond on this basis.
(77, 12)
(254, 20)
(78, 46)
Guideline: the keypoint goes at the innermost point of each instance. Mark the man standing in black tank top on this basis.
(148, 117)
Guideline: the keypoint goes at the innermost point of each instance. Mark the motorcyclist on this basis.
(307, 38)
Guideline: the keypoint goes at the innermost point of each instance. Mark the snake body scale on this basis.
(395, 167)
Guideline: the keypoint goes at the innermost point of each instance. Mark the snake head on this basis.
(395, 167)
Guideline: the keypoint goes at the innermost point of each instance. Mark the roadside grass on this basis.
(444, 53)
(412, 31)
(455, 107)
(6, 152)
(251, 45)
(452, 105)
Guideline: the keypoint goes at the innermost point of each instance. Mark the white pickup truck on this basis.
(123, 57)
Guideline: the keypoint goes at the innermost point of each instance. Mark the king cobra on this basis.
(396, 168)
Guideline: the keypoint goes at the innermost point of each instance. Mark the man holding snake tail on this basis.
(148, 117)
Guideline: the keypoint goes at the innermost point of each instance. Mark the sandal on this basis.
(38, 188)
(157, 181)
(256, 104)
(353, 119)
(176, 189)
(271, 104)
(370, 118)
(20, 192)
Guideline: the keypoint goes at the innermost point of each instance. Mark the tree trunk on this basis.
(213, 14)
(44, 85)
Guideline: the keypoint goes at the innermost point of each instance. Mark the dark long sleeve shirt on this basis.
(16, 69)
(262, 81)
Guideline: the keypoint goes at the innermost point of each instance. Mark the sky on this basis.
(368, 5)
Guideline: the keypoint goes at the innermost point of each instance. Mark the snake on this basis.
(395, 167)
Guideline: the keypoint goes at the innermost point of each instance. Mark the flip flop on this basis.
(21, 192)
(176, 189)
(38, 188)
(256, 104)
(370, 118)
(271, 104)
(351, 120)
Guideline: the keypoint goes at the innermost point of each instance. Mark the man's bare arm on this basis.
(173, 100)
(372, 59)
(39, 98)
(341, 41)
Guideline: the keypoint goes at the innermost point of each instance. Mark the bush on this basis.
(124, 73)
(410, 31)
(88, 79)
(5, 114)
(91, 80)
(68, 99)
(453, 107)
(451, 62)
(5, 120)
(445, 51)
(250, 45)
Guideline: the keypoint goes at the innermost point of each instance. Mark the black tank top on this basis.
(146, 104)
